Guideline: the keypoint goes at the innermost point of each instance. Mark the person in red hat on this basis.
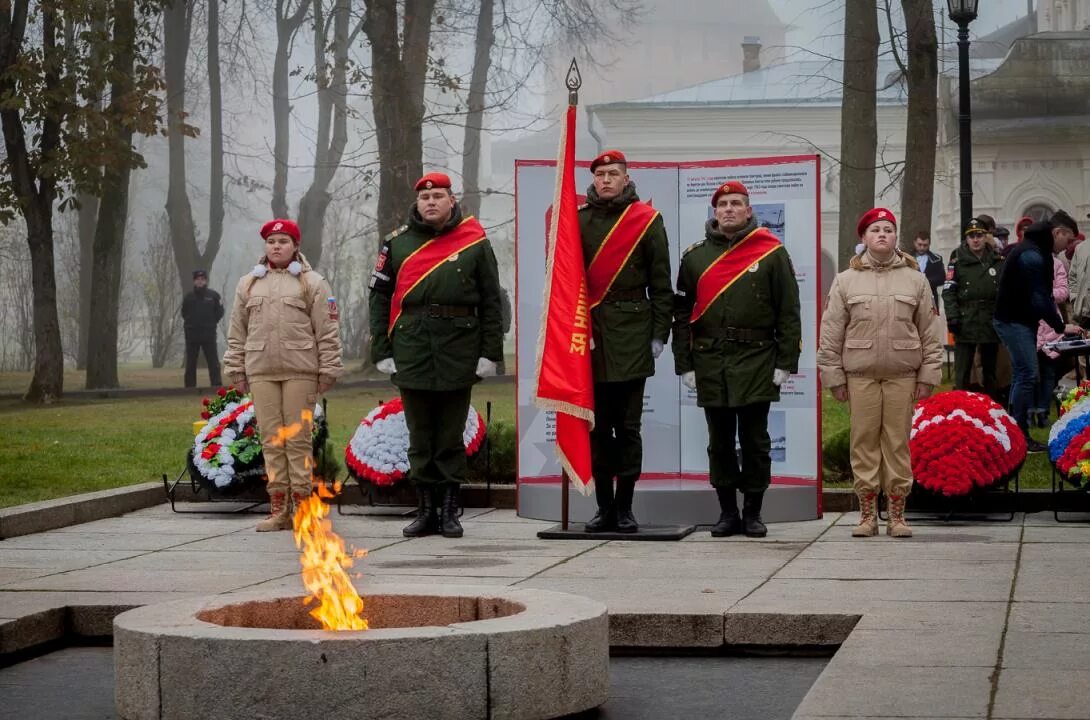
(284, 349)
(737, 339)
(628, 282)
(880, 353)
(436, 329)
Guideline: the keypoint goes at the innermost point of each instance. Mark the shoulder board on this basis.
(395, 233)
(694, 246)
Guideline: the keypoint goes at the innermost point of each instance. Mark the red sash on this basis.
(429, 257)
(729, 266)
(616, 248)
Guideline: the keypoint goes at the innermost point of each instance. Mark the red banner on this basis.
(729, 266)
(565, 382)
(617, 247)
(428, 257)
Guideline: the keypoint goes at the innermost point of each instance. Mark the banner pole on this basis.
(564, 483)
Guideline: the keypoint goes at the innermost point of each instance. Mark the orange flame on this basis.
(325, 562)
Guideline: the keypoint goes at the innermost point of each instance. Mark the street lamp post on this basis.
(963, 12)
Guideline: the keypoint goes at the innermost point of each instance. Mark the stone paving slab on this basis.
(921, 620)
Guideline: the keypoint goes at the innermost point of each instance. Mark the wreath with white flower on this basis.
(379, 449)
(226, 454)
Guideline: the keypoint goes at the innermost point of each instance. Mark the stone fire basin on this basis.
(432, 652)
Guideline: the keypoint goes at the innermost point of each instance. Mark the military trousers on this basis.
(616, 447)
(739, 433)
(285, 416)
(437, 422)
(964, 353)
(193, 348)
(881, 418)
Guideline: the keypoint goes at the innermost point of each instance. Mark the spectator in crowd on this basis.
(972, 280)
(1025, 299)
(930, 265)
(1049, 362)
(1002, 238)
(201, 313)
(1078, 283)
(880, 353)
(1019, 232)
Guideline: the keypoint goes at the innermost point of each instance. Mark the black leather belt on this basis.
(625, 295)
(440, 311)
(738, 334)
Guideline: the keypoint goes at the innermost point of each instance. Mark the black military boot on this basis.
(603, 520)
(425, 522)
(729, 522)
(626, 521)
(751, 514)
(450, 526)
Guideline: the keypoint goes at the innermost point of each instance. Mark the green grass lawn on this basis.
(80, 446)
(83, 445)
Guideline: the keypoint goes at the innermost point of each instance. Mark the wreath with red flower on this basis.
(1074, 395)
(1069, 440)
(226, 454)
(379, 449)
(961, 441)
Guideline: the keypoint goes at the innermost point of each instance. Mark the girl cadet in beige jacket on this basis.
(880, 353)
(284, 347)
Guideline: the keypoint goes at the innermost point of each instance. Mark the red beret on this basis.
(730, 187)
(281, 225)
(1023, 223)
(432, 180)
(608, 158)
(872, 216)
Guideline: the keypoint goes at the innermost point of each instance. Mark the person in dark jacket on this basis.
(1023, 300)
(930, 265)
(972, 281)
(202, 310)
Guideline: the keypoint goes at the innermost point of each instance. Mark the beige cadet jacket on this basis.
(879, 323)
(281, 328)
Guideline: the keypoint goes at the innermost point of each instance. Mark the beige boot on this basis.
(868, 515)
(279, 514)
(896, 526)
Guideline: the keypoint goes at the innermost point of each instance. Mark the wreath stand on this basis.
(249, 500)
(1063, 497)
(927, 505)
(391, 499)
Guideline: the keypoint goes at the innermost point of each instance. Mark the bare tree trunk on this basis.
(215, 126)
(179, 211)
(332, 123)
(858, 120)
(88, 211)
(478, 84)
(113, 211)
(918, 185)
(399, 69)
(286, 27)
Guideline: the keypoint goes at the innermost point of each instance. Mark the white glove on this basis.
(386, 366)
(485, 368)
(656, 348)
(779, 377)
(689, 380)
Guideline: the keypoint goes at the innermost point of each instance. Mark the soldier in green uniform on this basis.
(972, 280)
(436, 328)
(737, 338)
(628, 282)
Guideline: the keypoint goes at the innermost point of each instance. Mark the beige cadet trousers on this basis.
(881, 417)
(286, 431)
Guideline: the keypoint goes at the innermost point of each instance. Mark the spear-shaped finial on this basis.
(574, 81)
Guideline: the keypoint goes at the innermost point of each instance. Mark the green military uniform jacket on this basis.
(433, 351)
(638, 306)
(969, 294)
(764, 300)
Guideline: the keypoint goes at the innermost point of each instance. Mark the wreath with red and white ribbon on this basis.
(379, 449)
(961, 441)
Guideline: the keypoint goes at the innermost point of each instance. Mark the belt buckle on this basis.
(434, 311)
